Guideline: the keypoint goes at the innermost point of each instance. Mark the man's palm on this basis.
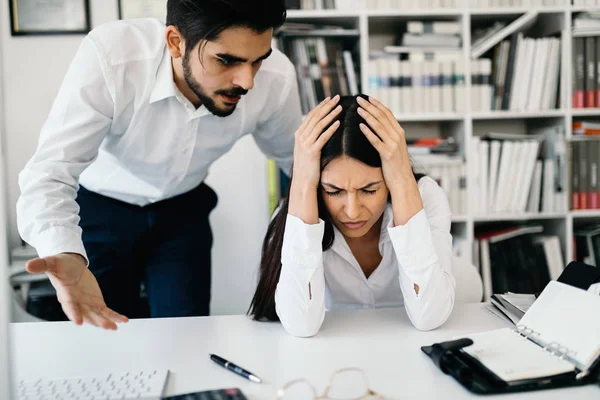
(77, 290)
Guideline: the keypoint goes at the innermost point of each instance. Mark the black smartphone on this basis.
(220, 394)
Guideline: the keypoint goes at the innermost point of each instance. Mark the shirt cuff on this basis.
(59, 239)
(413, 243)
(302, 243)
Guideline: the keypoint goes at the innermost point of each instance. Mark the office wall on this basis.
(33, 70)
(5, 387)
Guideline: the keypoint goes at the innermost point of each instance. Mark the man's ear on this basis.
(175, 42)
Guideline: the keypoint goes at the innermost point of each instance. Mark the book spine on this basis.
(578, 72)
(583, 178)
(597, 42)
(486, 93)
(407, 87)
(510, 71)
(590, 72)
(575, 195)
(459, 86)
(594, 159)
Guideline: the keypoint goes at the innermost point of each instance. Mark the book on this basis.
(518, 25)
(551, 346)
(507, 309)
(559, 340)
(587, 244)
(511, 260)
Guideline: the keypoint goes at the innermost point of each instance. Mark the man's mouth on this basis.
(231, 99)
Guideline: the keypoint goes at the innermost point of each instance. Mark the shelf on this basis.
(427, 12)
(585, 213)
(515, 10)
(518, 217)
(585, 34)
(299, 14)
(459, 218)
(518, 114)
(585, 112)
(403, 13)
(577, 138)
(429, 117)
(342, 33)
(585, 8)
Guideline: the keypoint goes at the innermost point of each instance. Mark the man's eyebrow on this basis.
(232, 58)
(362, 188)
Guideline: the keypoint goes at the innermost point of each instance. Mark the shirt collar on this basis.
(164, 85)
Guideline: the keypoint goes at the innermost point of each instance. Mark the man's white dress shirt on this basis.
(121, 128)
(418, 252)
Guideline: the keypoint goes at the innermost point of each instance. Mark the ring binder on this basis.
(524, 331)
(491, 365)
(561, 351)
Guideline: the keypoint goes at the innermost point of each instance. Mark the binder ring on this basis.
(551, 348)
(557, 350)
(524, 331)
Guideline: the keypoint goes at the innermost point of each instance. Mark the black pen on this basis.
(234, 368)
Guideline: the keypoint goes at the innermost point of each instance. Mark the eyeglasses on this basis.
(344, 384)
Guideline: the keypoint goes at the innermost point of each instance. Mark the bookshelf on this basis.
(376, 26)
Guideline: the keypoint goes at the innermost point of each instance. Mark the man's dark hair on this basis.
(205, 19)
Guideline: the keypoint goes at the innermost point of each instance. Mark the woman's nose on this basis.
(352, 207)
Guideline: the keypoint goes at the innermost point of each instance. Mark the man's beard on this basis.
(206, 101)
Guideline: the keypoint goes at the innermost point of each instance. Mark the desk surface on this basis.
(380, 341)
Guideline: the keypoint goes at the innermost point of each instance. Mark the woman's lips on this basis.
(354, 225)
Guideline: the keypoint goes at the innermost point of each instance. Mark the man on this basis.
(142, 113)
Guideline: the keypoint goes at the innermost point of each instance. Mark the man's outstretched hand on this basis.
(77, 290)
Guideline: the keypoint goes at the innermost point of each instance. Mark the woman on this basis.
(359, 229)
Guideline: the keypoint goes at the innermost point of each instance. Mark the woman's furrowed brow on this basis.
(364, 187)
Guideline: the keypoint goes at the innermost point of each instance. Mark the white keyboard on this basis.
(146, 385)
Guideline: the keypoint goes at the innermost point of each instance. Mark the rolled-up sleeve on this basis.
(423, 247)
(47, 214)
(300, 294)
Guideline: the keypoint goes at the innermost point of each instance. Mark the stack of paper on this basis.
(511, 306)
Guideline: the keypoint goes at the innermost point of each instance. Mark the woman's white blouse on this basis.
(313, 281)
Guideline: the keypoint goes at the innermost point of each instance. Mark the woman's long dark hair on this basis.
(347, 140)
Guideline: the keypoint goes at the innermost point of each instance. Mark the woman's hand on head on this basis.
(310, 138)
(389, 139)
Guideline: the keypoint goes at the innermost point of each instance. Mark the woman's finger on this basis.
(322, 125)
(379, 116)
(378, 112)
(386, 111)
(311, 114)
(373, 138)
(390, 116)
(325, 136)
(376, 125)
(321, 113)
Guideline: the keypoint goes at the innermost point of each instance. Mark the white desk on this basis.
(382, 342)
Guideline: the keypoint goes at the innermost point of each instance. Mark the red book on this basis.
(578, 99)
(591, 99)
(594, 200)
(575, 199)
